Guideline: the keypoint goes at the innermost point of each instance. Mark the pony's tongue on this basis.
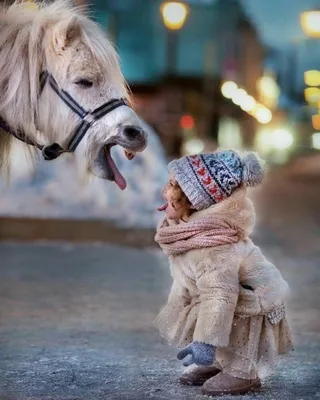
(164, 207)
(118, 178)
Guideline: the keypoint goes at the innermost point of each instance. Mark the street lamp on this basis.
(310, 23)
(174, 15)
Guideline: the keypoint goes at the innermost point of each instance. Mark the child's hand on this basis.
(201, 354)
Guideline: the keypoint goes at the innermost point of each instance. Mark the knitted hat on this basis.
(207, 179)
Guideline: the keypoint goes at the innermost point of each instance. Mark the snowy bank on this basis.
(54, 189)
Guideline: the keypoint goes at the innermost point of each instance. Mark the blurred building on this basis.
(176, 77)
(291, 131)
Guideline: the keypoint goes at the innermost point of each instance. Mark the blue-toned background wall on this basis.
(141, 37)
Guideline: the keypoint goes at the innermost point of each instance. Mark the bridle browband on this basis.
(88, 119)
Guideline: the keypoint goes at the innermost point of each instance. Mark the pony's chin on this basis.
(101, 167)
(102, 171)
(104, 167)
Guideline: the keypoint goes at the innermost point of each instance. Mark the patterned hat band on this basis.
(207, 179)
(217, 187)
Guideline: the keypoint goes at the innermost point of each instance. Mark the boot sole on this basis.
(243, 390)
(199, 382)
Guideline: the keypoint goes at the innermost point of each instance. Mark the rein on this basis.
(88, 119)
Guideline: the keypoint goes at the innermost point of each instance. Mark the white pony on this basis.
(56, 66)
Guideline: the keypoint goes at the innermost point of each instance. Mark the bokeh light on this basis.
(187, 122)
(310, 23)
(262, 114)
(263, 140)
(248, 104)
(312, 78)
(312, 95)
(282, 139)
(269, 87)
(316, 122)
(316, 140)
(239, 96)
(194, 146)
(174, 14)
(228, 89)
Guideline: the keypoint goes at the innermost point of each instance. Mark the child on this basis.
(226, 303)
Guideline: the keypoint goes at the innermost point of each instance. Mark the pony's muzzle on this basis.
(133, 138)
(133, 133)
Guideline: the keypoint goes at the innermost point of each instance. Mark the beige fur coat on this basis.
(207, 292)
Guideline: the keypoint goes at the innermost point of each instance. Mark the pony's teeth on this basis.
(129, 154)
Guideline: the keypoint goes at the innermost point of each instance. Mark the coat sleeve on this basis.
(218, 283)
(270, 288)
(179, 295)
(167, 319)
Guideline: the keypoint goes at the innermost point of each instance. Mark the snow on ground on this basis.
(54, 189)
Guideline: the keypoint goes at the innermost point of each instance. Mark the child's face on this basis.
(177, 206)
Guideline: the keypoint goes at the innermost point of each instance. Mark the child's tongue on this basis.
(164, 207)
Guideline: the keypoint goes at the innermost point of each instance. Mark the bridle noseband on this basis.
(88, 119)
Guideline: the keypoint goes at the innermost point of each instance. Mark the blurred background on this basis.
(209, 73)
(80, 277)
(204, 74)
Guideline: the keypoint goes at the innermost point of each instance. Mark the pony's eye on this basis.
(84, 83)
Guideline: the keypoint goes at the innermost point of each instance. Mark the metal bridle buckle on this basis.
(90, 118)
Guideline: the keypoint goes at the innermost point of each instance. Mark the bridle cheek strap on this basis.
(88, 118)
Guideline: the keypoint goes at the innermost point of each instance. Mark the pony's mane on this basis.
(22, 31)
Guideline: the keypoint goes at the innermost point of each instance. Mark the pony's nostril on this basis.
(132, 132)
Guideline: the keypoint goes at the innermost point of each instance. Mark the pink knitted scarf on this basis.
(205, 232)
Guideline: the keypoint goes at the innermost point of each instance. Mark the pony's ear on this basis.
(65, 33)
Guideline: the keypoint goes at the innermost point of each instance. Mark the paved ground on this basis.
(76, 320)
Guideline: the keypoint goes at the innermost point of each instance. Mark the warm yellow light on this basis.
(248, 104)
(263, 140)
(277, 139)
(228, 89)
(312, 78)
(316, 140)
(239, 96)
(229, 134)
(174, 14)
(268, 87)
(194, 146)
(310, 23)
(282, 139)
(269, 91)
(316, 122)
(312, 95)
(262, 114)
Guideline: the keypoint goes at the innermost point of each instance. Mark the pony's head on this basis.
(83, 66)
